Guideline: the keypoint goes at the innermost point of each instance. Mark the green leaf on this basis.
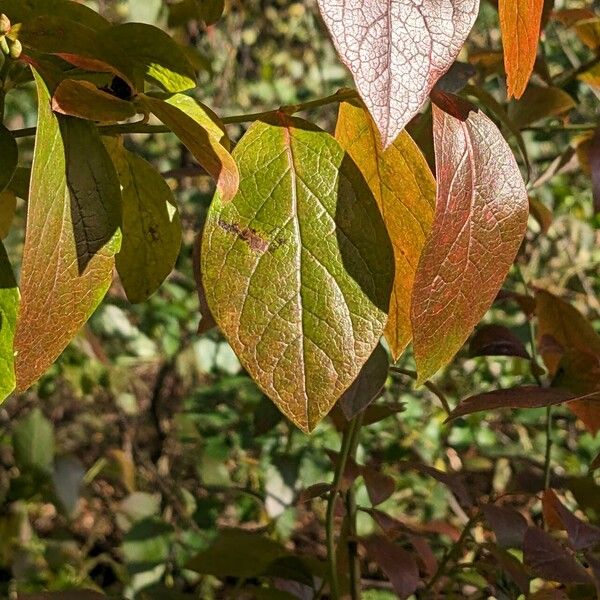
(151, 226)
(298, 268)
(9, 304)
(20, 11)
(10, 157)
(71, 238)
(33, 443)
(153, 55)
(199, 130)
(210, 11)
(404, 189)
(83, 99)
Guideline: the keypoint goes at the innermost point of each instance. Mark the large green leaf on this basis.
(33, 443)
(20, 11)
(151, 226)
(153, 55)
(298, 267)
(199, 130)
(9, 155)
(9, 303)
(404, 188)
(71, 238)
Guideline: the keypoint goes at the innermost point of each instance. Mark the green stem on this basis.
(143, 127)
(348, 446)
(548, 455)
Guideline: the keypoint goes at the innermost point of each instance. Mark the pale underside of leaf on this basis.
(397, 50)
(298, 267)
(481, 217)
(71, 238)
(404, 189)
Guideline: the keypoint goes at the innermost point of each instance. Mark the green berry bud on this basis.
(4, 24)
(15, 49)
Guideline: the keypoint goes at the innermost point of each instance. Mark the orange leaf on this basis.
(520, 22)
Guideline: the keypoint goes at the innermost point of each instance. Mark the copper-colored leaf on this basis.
(71, 238)
(481, 217)
(397, 50)
(398, 564)
(519, 397)
(520, 22)
(496, 340)
(582, 535)
(83, 99)
(508, 525)
(550, 560)
(404, 188)
(379, 485)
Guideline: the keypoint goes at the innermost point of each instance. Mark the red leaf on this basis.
(519, 397)
(379, 486)
(582, 535)
(508, 525)
(398, 565)
(551, 561)
(520, 22)
(397, 50)
(481, 217)
(496, 340)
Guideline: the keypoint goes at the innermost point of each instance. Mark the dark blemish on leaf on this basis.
(248, 234)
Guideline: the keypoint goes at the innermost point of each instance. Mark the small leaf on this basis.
(150, 225)
(404, 189)
(508, 525)
(10, 157)
(379, 486)
(453, 481)
(298, 268)
(9, 304)
(33, 443)
(210, 11)
(539, 103)
(541, 213)
(496, 340)
(198, 128)
(397, 50)
(480, 220)
(584, 21)
(152, 54)
(551, 561)
(398, 565)
(582, 535)
(519, 397)
(368, 385)
(520, 22)
(67, 478)
(71, 238)
(83, 99)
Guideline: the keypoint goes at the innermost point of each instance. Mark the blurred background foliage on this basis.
(145, 438)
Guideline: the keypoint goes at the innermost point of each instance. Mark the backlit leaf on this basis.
(480, 220)
(520, 22)
(9, 154)
(150, 225)
(9, 303)
(368, 385)
(519, 397)
(397, 50)
(298, 268)
(83, 99)
(71, 238)
(398, 565)
(539, 103)
(153, 55)
(550, 560)
(404, 189)
(197, 127)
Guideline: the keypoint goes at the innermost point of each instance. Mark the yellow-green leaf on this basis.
(198, 128)
(71, 238)
(9, 303)
(151, 226)
(404, 189)
(298, 268)
(83, 99)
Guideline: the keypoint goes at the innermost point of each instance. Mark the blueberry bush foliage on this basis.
(338, 260)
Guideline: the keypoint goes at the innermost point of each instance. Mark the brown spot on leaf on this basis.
(248, 234)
